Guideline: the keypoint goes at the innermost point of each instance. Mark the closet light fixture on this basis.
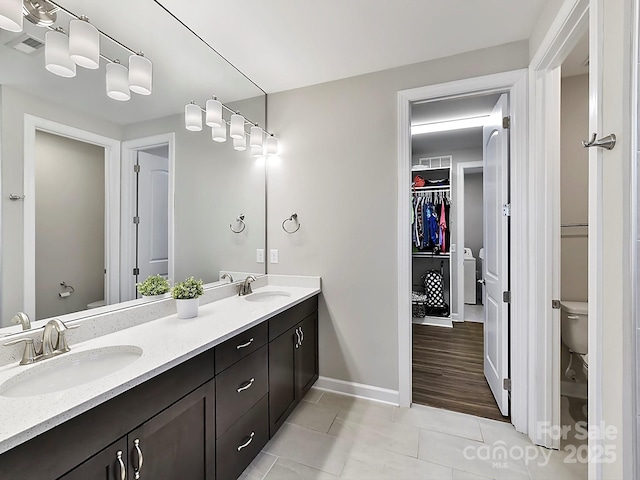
(219, 134)
(193, 117)
(118, 81)
(11, 17)
(56, 54)
(271, 145)
(449, 125)
(84, 43)
(255, 140)
(140, 74)
(240, 144)
(214, 113)
(236, 126)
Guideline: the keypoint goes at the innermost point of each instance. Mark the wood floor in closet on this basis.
(448, 370)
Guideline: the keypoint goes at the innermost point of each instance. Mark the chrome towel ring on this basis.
(240, 220)
(292, 218)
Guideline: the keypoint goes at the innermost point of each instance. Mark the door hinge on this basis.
(136, 220)
(506, 297)
(506, 384)
(506, 122)
(136, 271)
(555, 304)
(136, 169)
(506, 210)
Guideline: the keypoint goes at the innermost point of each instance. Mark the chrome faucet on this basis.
(227, 275)
(245, 288)
(51, 345)
(22, 318)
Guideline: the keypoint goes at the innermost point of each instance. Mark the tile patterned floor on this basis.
(331, 436)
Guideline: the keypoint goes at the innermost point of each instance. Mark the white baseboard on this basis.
(434, 321)
(359, 390)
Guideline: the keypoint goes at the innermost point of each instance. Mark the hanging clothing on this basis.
(443, 229)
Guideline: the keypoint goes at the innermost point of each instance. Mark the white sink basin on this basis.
(69, 370)
(266, 296)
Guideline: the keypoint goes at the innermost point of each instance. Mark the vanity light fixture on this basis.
(219, 134)
(84, 43)
(214, 113)
(257, 151)
(271, 145)
(140, 74)
(240, 144)
(118, 81)
(56, 54)
(236, 126)
(255, 140)
(11, 17)
(449, 125)
(193, 117)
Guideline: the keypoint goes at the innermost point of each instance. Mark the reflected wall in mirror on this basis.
(117, 190)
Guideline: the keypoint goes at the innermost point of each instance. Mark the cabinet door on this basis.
(109, 464)
(282, 383)
(306, 360)
(178, 443)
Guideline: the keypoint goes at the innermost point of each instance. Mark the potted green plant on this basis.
(154, 286)
(187, 295)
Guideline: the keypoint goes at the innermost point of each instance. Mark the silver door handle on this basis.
(246, 444)
(136, 444)
(481, 281)
(245, 345)
(607, 142)
(246, 385)
(123, 470)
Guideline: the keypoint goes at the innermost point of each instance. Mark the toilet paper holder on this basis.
(68, 290)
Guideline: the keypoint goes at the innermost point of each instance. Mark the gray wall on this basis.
(338, 171)
(473, 212)
(15, 105)
(69, 222)
(574, 187)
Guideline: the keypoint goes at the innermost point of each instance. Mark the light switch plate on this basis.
(273, 256)
(260, 255)
(453, 248)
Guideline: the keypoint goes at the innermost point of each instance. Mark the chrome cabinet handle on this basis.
(246, 385)
(136, 444)
(123, 470)
(245, 345)
(246, 444)
(301, 333)
(298, 335)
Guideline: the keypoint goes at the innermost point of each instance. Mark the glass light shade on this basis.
(118, 82)
(255, 140)
(214, 114)
(84, 44)
(193, 117)
(56, 54)
(219, 134)
(140, 75)
(236, 127)
(240, 144)
(11, 15)
(271, 145)
(257, 151)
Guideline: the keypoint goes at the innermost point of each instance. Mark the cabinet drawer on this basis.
(287, 319)
(240, 346)
(241, 443)
(239, 387)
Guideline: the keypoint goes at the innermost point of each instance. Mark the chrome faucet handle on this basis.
(29, 354)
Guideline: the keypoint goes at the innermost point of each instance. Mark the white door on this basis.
(496, 248)
(153, 213)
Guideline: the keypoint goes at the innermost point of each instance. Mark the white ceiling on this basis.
(285, 44)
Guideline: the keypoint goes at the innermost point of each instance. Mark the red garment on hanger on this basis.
(443, 230)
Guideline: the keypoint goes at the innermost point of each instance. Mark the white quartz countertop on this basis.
(166, 342)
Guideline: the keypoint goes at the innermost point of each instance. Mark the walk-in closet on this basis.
(447, 255)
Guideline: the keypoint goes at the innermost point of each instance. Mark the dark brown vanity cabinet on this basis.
(109, 464)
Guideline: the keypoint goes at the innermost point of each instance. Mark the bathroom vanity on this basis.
(218, 400)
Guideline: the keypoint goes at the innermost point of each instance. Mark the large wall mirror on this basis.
(98, 193)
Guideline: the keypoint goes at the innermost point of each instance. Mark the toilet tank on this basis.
(575, 326)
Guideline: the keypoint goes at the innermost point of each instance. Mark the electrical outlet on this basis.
(260, 255)
(273, 256)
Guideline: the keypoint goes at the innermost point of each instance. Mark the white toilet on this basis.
(575, 330)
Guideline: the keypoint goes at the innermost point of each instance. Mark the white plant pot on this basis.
(149, 298)
(187, 308)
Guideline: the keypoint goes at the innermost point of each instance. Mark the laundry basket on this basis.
(418, 305)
